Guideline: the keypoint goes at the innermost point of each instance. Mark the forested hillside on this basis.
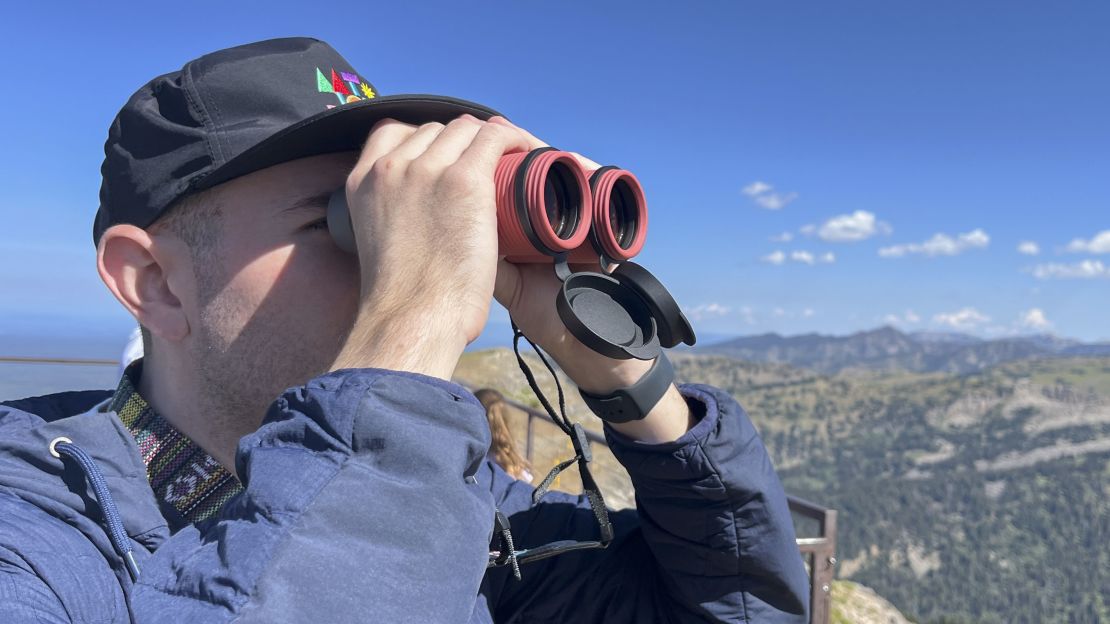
(977, 498)
(983, 498)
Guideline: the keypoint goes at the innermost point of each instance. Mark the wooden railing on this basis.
(13, 359)
(819, 551)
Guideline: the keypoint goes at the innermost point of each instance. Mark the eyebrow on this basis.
(314, 202)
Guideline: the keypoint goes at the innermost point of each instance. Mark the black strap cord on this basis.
(508, 555)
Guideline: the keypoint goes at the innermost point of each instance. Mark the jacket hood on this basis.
(29, 471)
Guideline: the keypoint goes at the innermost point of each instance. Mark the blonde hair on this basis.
(502, 447)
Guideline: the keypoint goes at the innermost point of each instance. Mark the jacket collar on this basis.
(189, 484)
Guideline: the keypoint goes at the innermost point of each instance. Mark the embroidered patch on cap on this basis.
(346, 86)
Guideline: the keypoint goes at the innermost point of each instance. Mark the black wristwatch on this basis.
(635, 401)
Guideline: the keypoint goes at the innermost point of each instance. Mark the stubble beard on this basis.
(245, 359)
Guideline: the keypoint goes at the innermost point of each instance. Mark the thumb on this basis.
(508, 285)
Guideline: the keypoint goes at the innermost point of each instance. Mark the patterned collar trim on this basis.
(182, 475)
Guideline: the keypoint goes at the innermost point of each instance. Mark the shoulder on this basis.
(36, 534)
(49, 407)
(53, 568)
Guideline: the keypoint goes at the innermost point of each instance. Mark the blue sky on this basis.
(906, 149)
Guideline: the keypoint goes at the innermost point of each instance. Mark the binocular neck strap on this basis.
(579, 440)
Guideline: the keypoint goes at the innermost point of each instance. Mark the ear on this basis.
(137, 268)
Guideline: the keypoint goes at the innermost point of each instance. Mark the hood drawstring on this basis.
(64, 446)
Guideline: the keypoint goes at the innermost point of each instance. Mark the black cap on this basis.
(239, 110)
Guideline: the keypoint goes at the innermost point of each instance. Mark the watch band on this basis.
(635, 401)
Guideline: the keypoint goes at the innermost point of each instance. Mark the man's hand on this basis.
(423, 209)
(528, 292)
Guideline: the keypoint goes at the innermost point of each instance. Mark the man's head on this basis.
(240, 288)
(211, 226)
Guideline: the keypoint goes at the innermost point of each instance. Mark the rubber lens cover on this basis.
(671, 322)
(608, 316)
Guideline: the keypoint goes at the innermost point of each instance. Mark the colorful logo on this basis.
(347, 87)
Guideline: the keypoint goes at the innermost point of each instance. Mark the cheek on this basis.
(316, 289)
(289, 290)
(327, 285)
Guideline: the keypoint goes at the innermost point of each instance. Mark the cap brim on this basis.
(341, 129)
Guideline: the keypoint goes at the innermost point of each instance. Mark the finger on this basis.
(491, 143)
(384, 137)
(452, 142)
(507, 285)
(533, 142)
(417, 142)
(586, 163)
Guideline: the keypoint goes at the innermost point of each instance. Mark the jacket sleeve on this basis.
(359, 493)
(24, 596)
(711, 539)
(51, 572)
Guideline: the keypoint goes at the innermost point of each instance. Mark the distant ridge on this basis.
(890, 350)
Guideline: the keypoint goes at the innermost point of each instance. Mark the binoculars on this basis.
(549, 205)
(551, 210)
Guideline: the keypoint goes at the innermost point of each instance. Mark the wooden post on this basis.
(822, 570)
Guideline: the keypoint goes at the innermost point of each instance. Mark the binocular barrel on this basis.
(547, 205)
(543, 199)
(620, 217)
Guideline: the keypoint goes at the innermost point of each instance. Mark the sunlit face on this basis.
(277, 298)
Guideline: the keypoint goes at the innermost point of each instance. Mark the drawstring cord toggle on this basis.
(64, 447)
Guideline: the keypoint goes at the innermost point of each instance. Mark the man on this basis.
(361, 494)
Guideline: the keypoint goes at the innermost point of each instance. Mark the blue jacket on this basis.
(368, 499)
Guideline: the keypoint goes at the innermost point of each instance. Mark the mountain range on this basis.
(888, 349)
(962, 498)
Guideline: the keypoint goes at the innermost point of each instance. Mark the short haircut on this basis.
(196, 219)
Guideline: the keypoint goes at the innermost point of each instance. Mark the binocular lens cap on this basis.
(672, 324)
(608, 316)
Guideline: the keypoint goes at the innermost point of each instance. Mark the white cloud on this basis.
(974, 238)
(940, 245)
(909, 318)
(1029, 248)
(784, 313)
(756, 188)
(808, 230)
(1087, 269)
(748, 315)
(775, 201)
(967, 318)
(785, 237)
(1035, 319)
(850, 228)
(775, 257)
(764, 196)
(802, 256)
(1100, 244)
(706, 310)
